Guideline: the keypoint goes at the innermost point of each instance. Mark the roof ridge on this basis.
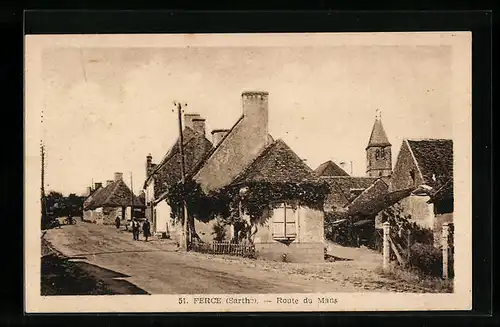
(427, 139)
(172, 152)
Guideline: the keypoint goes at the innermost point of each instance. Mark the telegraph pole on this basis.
(131, 198)
(42, 188)
(185, 230)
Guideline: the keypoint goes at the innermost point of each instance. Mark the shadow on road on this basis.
(61, 276)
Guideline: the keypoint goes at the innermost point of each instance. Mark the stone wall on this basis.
(401, 177)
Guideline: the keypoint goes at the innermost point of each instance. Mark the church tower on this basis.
(378, 151)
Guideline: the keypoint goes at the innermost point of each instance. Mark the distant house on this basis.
(247, 158)
(329, 168)
(427, 166)
(111, 201)
(166, 173)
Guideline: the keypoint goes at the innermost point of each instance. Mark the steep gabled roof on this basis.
(169, 172)
(341, 187)
(378, 136)
(329, 168)
(277, 163)
(115, 194)
(434, 158)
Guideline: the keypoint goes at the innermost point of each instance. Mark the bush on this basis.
(219, 231)
(427, 259)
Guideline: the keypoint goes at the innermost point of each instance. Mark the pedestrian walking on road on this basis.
(146, 229)
(117, 222)
(133, 226)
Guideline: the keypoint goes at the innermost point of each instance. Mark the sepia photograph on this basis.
(248, 172)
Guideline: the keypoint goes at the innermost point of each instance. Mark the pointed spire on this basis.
(378, 136)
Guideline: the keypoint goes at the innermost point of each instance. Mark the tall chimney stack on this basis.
(118, 176)
(218, 135)
(255, 107)
(149, 161)
(109, 182)
(199, 125)
(97, 186)
(188, 120)
(89, 191)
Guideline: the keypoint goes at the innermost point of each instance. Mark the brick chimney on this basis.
(218, 135)
(255, 107)
(108, 182)
(118, 176)
(199, 125)
(188, 120)
(149, 164)
(97, 186)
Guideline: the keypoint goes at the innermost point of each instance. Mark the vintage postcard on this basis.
(248, 172)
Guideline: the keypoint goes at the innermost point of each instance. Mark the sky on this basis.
(106, 109)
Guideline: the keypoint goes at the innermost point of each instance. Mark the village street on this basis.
(156, 267)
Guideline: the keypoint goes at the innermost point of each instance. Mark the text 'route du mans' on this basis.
(250, 300)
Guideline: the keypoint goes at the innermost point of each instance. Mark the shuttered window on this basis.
(284, 223)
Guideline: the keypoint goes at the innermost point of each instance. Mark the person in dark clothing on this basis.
(117, 222)
(146, 229)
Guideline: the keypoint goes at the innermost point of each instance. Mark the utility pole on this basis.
(351, 167)
(185, 230)
(131, 198)
(42, 188)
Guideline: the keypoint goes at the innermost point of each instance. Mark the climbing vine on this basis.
(227, 203)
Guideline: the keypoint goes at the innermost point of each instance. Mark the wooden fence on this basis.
(398, 246)
(225, 247)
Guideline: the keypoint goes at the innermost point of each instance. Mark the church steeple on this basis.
(378, 151)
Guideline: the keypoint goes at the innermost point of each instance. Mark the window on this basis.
(284, 218)
(377, 154)
(382, 153)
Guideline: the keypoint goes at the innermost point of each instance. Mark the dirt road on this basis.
(157, 268)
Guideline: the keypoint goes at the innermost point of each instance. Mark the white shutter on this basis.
(290, 230)
(279, 222)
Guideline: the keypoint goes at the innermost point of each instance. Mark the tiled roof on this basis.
(435, 160)
(374, 202)
(115, 194)
(378, 136)
(277, 163)
(169, 171)
(341, 187)
(330, 168)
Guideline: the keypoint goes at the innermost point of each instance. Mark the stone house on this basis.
(427, 166)
(111, 201)
(167, 172)
(247, 157)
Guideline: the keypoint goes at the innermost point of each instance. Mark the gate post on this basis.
(387, 248)
(444, 245)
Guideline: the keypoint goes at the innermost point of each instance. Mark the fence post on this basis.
(444, 244)
(386, 247)
(409, 244)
